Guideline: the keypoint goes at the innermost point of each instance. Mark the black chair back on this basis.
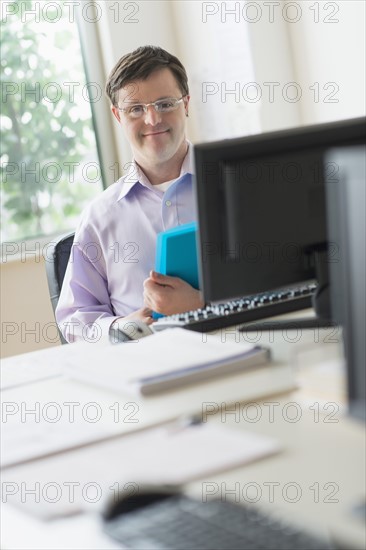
(58, 255)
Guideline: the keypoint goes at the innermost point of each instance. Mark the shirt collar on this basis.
(135, 175)
(188, 162)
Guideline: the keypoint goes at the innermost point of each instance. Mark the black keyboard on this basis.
(181, 523)
(244, 310)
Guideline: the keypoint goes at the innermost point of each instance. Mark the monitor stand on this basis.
(320, 302)
(321, 298)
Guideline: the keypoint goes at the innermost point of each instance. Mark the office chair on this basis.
(56, 263)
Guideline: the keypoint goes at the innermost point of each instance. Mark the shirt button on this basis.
(168, 203)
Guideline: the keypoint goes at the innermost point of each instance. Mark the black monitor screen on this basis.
(261, 207)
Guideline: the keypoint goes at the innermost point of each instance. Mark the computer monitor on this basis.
(346, 214)
(261, 209)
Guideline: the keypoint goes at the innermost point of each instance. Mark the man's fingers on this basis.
(164, 280)
(157, 296)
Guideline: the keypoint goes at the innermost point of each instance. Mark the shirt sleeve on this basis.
(84, 311)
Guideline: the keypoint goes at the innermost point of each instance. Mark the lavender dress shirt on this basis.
(114, 250)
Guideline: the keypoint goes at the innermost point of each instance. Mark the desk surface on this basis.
(314, 482)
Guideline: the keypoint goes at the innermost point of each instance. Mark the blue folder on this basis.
(176, 254)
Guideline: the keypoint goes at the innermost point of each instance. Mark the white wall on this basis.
(329, 48)
(274, 67)
(27, 321)
(218, 60)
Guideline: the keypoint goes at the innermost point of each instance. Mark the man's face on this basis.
(154, 137)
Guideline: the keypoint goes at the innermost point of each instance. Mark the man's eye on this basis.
(136, 109)
(166, 104)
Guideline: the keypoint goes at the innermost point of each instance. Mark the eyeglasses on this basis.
(166, 105)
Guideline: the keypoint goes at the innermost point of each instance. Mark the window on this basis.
(49, 161)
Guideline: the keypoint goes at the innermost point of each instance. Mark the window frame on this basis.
(101, 115)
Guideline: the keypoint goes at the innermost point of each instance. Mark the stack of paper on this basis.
(164, 361)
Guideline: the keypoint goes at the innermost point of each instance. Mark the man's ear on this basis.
(186, 101)
(116, 113)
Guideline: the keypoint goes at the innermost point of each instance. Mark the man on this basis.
(110, 275)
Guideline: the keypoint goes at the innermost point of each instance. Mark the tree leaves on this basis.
(45, 141)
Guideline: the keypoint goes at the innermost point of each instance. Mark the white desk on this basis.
(321, 461)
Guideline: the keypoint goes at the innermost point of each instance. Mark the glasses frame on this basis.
(153, 103)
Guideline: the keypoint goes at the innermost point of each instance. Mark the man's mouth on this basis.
(156, 133)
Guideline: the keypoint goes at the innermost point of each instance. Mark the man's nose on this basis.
(152, 117)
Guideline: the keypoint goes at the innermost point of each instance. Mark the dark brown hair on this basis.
(139, 64)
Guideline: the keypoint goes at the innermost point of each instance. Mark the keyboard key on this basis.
(243, 310)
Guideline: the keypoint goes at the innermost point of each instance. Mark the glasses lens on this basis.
(135, 111)
(166, 105)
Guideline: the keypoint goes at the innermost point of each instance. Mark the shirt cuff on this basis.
(98, 332)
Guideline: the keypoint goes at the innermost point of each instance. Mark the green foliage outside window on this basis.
(49, 162)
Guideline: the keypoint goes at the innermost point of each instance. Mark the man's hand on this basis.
(169, 295)
(143, 314)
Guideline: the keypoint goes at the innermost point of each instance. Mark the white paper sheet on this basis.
(87, 479)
